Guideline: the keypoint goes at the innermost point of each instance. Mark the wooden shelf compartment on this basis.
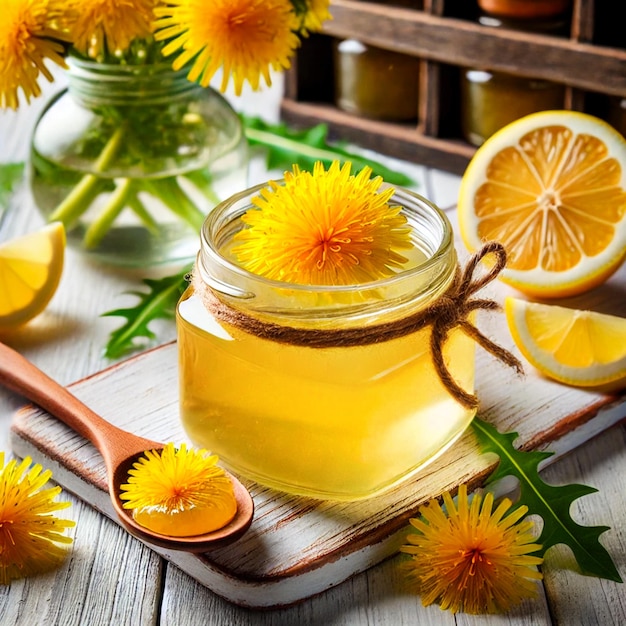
(445, 44)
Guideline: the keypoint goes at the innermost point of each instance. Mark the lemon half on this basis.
(30, 272)
(580, 348)
(551, 187)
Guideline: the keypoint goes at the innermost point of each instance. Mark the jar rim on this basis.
(106, 68)
(215, 221)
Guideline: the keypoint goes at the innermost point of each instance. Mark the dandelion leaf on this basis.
(551, 503)
(158, 302)
(286, 146)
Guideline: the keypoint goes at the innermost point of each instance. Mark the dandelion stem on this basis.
(90, 185)
(202, 180)
(142, 213)
(171, 194)
(78, 200)
(99, 227)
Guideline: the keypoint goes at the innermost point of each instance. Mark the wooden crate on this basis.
(446, 38)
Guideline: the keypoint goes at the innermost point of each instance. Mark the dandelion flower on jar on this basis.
(327, 227)
(179, 492)
(31, 32)
(32, 538)
(245, 38)
(470, 558)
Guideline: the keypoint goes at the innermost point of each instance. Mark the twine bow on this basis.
(448, 312)
(452, 310)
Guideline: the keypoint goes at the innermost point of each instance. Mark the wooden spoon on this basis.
(119, 448)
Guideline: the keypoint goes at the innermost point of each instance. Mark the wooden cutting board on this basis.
(299, 547)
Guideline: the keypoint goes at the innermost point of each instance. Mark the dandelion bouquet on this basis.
(140, 148)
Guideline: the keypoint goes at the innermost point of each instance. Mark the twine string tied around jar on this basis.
(451, 310)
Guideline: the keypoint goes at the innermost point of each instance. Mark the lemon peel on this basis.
(551, 187)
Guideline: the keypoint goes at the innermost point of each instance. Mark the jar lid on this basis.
(525, 9)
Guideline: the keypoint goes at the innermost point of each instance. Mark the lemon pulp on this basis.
(551, 187)
(581, 348)
(30, 271)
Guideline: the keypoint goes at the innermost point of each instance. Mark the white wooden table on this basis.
(113, 579)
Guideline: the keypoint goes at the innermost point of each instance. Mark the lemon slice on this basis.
(30, 271)
(551, 187)
(580, 348)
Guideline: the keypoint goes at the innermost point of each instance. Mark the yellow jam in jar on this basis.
(344, 421)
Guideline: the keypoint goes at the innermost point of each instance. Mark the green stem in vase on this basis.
(79, 200)
(174, 198)
(90, 185)
(203, 181)
(117, 201)
(142, 213)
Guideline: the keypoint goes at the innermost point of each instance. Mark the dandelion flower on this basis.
(323, 228)
(99, 27)
(179, 492)
(246, 38)
(473, 559)
(28, 37)
(314, 14)
(32, 540)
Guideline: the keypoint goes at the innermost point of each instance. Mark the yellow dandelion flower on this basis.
(312, 13)
(179, 492)
(472, 559)
(29, 35)
(99, 27)
(32, 540)
(323, 228)
(246, 38)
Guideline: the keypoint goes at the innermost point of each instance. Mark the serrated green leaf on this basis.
(551, 503)
(286, 147)
(159, 302)
(10, 175)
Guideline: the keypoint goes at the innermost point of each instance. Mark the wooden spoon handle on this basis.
(23, 377)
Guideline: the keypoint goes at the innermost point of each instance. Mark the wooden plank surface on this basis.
(298, 547)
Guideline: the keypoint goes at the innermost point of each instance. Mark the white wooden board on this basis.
(299, 547)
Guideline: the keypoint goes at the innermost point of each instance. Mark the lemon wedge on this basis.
(551, 188)
(580, 348)
(30, 272)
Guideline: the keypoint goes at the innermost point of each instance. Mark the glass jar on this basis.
(131, 158)
(490, 100)
(375, 83)
(342, 421)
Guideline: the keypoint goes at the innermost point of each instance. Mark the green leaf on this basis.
(10, 175)
(158, 302)
(551, 503)
(286, 147)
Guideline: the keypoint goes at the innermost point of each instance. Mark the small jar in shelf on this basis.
(490, 99)
(376, 83)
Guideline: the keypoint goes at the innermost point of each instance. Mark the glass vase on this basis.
(131, 158)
